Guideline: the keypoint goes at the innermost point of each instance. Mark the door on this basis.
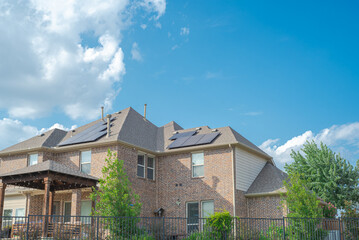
(192, 216)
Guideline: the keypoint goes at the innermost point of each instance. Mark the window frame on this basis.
(67, 218)
(29, 159)
(8, 218)
(84, 163)
(143, 166)
(198, 165)
(152, 168)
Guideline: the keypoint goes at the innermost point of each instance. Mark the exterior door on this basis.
(192, 216)
(67, 212)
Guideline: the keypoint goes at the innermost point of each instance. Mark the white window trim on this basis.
(197, 165)
(144, 165)
(28, 158)
(82, 163)
(153, 168)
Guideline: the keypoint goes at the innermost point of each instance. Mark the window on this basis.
(197, 164)
(7, 214)
(192, 216)
(151, 168)
(86, 162)
(33, 159)
(67, 212)
(141, 166)
(207, 208)
(56, 208)
(86, 211)
(20, 212)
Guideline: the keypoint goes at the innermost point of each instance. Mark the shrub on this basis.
(329, 210)
(220, 224)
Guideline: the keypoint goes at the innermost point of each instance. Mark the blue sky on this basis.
(278, 72)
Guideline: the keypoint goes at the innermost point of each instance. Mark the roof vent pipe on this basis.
(144, 114)
(108, 116)
(102, 114)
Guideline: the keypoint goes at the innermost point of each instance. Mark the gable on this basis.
(248, 166)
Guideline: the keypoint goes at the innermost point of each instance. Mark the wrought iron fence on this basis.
(166, 228)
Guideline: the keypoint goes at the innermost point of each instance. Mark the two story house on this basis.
(176, 172)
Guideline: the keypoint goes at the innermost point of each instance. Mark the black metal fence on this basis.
(166, 228)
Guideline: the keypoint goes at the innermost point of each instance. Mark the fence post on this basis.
(340, 229)
(163, 227)
(97, 226)
(27, 227)
(284, 228)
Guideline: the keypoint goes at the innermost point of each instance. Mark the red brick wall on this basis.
(265, 207)
(217, 183)
(241, 204)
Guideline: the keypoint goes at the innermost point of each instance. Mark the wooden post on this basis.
(45, 208)
(51, 202)
(93, 207)
(2, 198)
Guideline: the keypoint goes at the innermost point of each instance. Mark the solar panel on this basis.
(184, 134)
(208, 138)
(199, 139)
(88, 135)
(178, 142)
(193, 140)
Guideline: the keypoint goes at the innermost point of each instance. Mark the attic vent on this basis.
(119, 112)
(198, 128)
(214, 130)
(74, 130)
(42, 134)
(175, 132)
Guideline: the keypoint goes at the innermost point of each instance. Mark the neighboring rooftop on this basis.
(269, 181)
(130, 127)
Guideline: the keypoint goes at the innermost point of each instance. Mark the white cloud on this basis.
(158, 6)
(341, 138)
(143, 26)
(184, 31)
(48, 65)
(14, 131)
(135, 51)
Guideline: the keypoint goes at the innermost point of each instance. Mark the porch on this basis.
(49, 176)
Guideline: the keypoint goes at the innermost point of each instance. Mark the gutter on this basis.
(114, 142)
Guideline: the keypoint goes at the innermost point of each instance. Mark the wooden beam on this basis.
(2, 198)
(45, 206)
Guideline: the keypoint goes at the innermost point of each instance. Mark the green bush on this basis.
(220, 224)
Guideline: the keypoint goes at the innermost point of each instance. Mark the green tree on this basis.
(304, 211)
(116, 200)
(300, 201)
(328, 174)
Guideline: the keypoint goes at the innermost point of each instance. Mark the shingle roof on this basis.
(51, 166)
(130, 127)
(48, 139)
(269, 181)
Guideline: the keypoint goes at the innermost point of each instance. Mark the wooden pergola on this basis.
(49, 176)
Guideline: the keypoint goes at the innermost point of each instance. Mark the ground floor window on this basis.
(67, 212)
(56, 208)
(20, 212)
(194, 213)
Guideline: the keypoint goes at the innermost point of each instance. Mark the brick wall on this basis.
(176, 185)
(265, 207)
(241, 204)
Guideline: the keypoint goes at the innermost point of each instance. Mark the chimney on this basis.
(144, 115)
(108, 116)
(102, 114)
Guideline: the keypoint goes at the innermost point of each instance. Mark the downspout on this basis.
(233, 179)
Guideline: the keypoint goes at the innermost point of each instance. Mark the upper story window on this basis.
(141, 166)
(198, 164)
(151, 168)
(33, 159)
(85, 162)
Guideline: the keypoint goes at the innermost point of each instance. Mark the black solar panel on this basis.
(208, 138)
(181, 135)
(88, 135)
(178, 142)
(193, 140)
